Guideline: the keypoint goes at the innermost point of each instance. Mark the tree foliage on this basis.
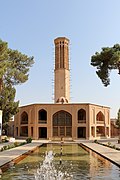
(14, 68)
(118, 122)
(105, 61)
(7, 103)
(3, 57)
(118, 119)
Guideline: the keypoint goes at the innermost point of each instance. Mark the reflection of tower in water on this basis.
(61, 151)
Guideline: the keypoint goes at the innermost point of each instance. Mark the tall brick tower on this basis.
(61, 71)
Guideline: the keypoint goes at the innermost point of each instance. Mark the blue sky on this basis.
(31, 27)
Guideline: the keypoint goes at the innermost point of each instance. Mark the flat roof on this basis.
(66, 104)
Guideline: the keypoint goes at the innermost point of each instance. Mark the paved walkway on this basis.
(8, 156)
(106, 152)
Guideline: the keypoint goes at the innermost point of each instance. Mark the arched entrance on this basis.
(42, 132)
(81, 132)
(62, 124)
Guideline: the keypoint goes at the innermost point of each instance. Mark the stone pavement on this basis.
(106, 152)
(8, 156)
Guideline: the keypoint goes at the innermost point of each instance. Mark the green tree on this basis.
(118, 123)
(105, 61)
(7, 103)
(14, 68)
(3, 58)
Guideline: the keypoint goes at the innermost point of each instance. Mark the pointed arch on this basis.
(100, 116)
(42, 116)
(81, 115)
(24, 118)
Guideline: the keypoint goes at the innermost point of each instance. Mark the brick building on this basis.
(62, 118)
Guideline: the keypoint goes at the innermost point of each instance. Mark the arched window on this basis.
(62, 124)
(42, 116)
(100, 116)
(24, 118)
(81, 115)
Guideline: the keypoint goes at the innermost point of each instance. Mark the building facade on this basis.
(114, 129)
(62, 119)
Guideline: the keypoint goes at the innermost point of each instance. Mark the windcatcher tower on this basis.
(61, 71)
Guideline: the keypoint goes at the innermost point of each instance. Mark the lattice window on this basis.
(68, 131)
(63, 121)
(55, 131)
(62, 131)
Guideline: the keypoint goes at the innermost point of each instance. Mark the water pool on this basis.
(70, 158)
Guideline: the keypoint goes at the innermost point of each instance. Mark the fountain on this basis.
(47, 170)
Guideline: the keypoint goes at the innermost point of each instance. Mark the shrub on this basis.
(5, 147)
(1, 149)
(5, 139)
(16, 144)
(114, 147)
(95, 141)
(8, 147)
(22, 143)
(109, 143)
(29, 140)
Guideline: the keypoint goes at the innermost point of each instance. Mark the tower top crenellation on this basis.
(61, 38)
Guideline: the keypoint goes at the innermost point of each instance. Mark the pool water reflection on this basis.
(74, 160)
